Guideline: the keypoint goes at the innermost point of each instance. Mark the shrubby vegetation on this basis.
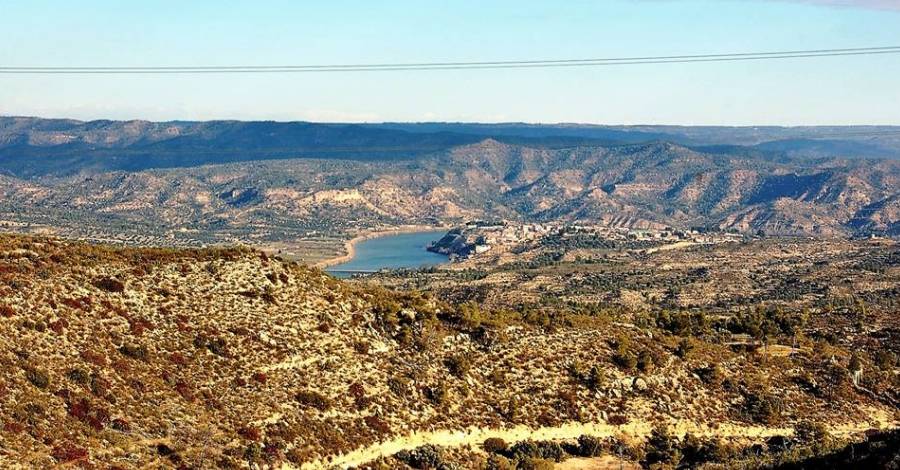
(313, 399)
(762, 407)
(433, 357)
(427, 457)
(661, 450)
(767, 324)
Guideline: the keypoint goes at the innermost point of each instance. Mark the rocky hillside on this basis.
(228, 358)
(641, 185)
(447, 179)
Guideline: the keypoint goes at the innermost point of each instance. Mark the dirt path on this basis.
(638, 429)
(671, 246)
(476, 436)
(606, 462)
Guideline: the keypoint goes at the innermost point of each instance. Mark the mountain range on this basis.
(233, 180)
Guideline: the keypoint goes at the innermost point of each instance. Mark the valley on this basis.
(405, 235)
(309, 205)
(634, 297)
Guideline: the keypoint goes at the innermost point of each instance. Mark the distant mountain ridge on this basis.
(228, 181)
(36, 147)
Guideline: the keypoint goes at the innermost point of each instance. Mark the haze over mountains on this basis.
(34, 146)
(236, 180)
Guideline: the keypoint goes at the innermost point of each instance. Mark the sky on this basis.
(819, 91)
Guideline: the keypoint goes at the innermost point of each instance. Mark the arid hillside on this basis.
(228, 358)
(289, 202)
(306, 187)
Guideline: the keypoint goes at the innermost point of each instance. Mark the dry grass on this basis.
(212, 358)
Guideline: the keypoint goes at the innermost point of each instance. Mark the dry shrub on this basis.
(37, 377)
(313, 399)
(251, 433)
(135, 352)
(94, 358)
(68, 452)
(494, 445)
(110, 284)
(185, 390)
(6, 311)
(377, 424)
(617, 420)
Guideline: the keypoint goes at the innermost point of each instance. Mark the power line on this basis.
(465, 64)
(510, 64)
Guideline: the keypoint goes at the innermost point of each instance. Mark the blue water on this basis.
(405, 250)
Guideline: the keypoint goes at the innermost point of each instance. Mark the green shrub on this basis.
(79, 376)
(762, 408)
(424, 457)
(545, 450)
(645, 361)
(590, 446)
(624, 357)
(662, 448)
(437, 394)
(810, 432)
(855, 363)
(684, 348)
(399, 385)
(696, 452)
(511, 409)
(682, 323)
(626, 361)
(596, 377)
(886, 360)
(499, 462)
(711, 375)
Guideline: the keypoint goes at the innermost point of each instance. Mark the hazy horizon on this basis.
(526, 123)
(849, 90)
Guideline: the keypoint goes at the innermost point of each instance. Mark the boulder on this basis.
(640, 384)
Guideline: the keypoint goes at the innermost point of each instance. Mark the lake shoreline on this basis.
(350, 245)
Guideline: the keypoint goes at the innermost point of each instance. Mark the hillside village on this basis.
(479, 238)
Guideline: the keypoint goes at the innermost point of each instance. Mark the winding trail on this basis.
(637, 429)
(476, 436)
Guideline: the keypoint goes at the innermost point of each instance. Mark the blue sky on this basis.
(844, 90)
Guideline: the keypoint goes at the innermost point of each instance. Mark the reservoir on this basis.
(402, 250)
